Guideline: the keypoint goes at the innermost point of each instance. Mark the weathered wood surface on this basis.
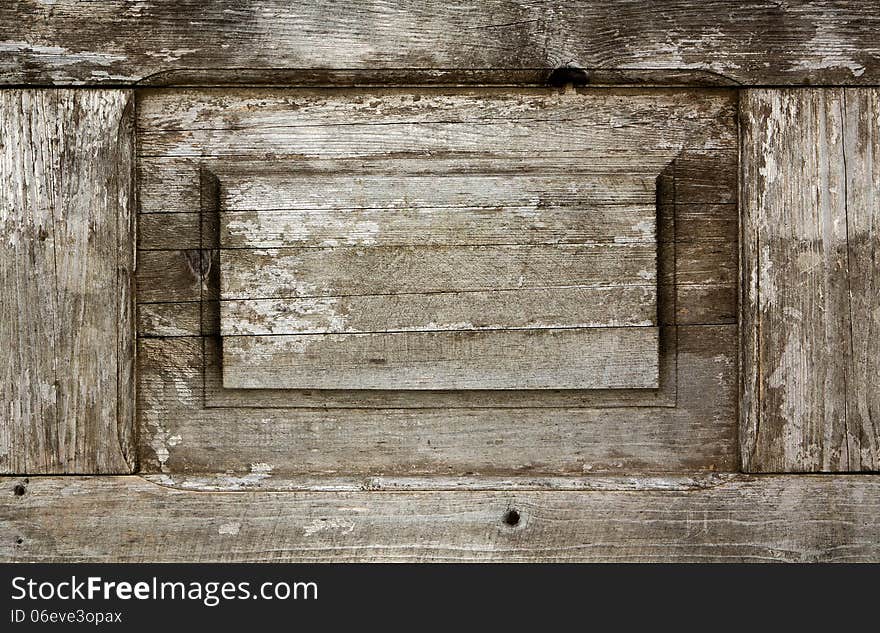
(384, 220)
(431, 355)
(629, 131)
(565, 358)
(765, 519)
(194, 426)
(66, 317)
(429, 198)
(166, 182)
(507, 434)
(538, 308)
(351, 270)
(811, 310)
(216, 395)
(764, 42)
(484, 124)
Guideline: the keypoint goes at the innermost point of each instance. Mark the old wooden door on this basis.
(520, 282)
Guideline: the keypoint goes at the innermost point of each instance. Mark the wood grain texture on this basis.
(541, 308)
(342, 271)
(508, 434)
(765, 519)
(765, 42)
(262, 210)
(565, 358)
(476, 125)
(218, 396)
(811, 315)
(417, 234)
(66, 318)
(704, 176)
(195, 428)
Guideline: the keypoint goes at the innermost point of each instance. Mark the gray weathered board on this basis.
(292, 474)
(811, 313)
(66, 264)
(423, 277)
(235, 182)
(834, 518)
(760, 42)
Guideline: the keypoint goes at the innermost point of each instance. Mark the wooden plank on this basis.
(216, 395)
(810, 319)
(170, 276)
(688, 304)
(693, 222)
(327, 272)
(460, 197)
(651, 434)
(765, 42)
(114, 519)
(689, 273)
(169, 231)
(516, 137)
(66, 318)
(258, 109)
(611, 127)
(424, 433)
(505, 309)
(171, 184)
(578, 358)
(492, 224)
(169, 319)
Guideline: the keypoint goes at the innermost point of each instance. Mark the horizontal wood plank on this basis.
(76, 519)
(688, 271)
(493, 224)
(423, 199)
(218, 396)
(331, 272)
(579, 358)
(766, 42)
(648, 431)
(171, 184)
(261, 110)
(602, 128)
(693, 222)
(617, 306)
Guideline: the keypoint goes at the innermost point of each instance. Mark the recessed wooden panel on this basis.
(261, 177)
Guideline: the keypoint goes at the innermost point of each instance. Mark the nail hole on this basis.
(511, 518)
(564, 75)
(18, 490)
(19, 541)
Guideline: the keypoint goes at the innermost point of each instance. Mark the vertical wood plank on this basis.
(810, 310)
(66, 318)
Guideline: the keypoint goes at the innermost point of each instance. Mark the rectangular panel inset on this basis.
(413, 280)
(445, 168)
